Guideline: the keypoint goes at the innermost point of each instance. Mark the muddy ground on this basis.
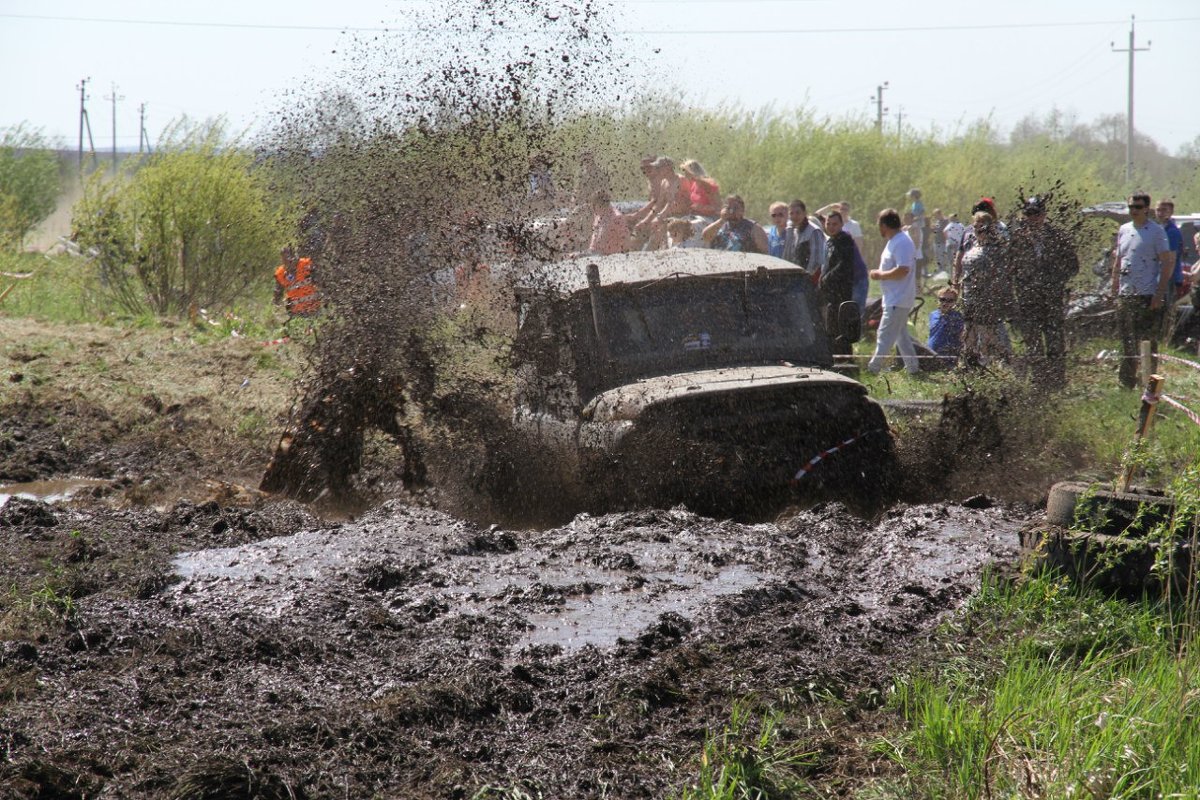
(172, 633)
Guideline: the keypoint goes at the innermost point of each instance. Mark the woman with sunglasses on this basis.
(986, 293)
(777, 230)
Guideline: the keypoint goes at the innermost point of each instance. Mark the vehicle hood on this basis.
(629, 401)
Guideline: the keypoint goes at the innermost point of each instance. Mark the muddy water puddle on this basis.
(594, 582)
(49, 491)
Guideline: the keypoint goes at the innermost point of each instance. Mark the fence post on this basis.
(1146, 362)
(1145, 419)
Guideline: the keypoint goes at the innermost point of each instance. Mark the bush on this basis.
(193, 226)
(29, 183)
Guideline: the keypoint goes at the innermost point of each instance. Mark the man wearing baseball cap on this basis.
(1043, 261)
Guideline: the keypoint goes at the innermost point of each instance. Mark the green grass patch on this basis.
(750, 760)
(1063, 694)
(58, 289)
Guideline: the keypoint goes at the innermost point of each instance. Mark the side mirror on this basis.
(849, 322)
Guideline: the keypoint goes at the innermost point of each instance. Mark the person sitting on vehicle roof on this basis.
(704, 194)
(610, 230)
(670, 201)
(732, 231)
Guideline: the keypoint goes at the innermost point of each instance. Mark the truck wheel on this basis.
(1105, 511)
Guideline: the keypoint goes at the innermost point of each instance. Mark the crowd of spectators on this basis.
(995, 278)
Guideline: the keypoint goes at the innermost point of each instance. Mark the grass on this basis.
(58, 289)
(750, 760)
(1064, 693)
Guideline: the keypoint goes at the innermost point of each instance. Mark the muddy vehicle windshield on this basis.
(679, 324)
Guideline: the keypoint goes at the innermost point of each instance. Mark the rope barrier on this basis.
(1166, 357)
(1192, 415)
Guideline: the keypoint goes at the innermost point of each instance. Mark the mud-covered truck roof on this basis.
(570, 276)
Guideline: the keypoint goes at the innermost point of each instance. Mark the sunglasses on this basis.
(1029, 212)
(947, 300)
(1137, 207)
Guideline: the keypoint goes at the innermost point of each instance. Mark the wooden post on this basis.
(1146, 363)
(1145, 420)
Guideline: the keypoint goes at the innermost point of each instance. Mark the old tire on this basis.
(1104, 511)
(1116, 564)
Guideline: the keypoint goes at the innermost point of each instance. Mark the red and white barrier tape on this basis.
(271, 342)
(1191, 364)
(1192, 415)
(819, 457)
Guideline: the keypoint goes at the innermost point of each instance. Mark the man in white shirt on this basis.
(897, 275)
(1141, 282)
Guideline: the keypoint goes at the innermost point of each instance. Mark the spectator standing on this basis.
(915, 232)
(986, 293)
(837, 275)
(937, 239)
(946, 326)
(1162, 214)
(805, 242)
(733, 232)
(952, 236)
(985, 205)
(295, 284)
(777, 230)
(897, 275)
(1043, 260)
(1141, 278)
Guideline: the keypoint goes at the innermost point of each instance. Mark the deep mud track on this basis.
(409, 654)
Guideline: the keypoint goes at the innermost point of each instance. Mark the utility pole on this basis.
(114, 97)
(900, 122)
(84, 120)
(143, 137)
(1129, 114)
(879, 109)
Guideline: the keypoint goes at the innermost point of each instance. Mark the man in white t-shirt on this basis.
(897, 276)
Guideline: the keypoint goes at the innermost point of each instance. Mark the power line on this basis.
(631, 32)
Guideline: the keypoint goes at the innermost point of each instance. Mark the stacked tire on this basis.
(1113, 541)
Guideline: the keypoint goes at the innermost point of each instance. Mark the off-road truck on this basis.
(691, 375)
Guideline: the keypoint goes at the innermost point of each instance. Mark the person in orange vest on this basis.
(294, 284)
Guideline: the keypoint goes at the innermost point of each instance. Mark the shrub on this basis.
(29, 183)
(193, 226)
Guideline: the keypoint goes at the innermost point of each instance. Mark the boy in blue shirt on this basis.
(946, 330)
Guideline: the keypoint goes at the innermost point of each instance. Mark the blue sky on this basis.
(947, 64)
